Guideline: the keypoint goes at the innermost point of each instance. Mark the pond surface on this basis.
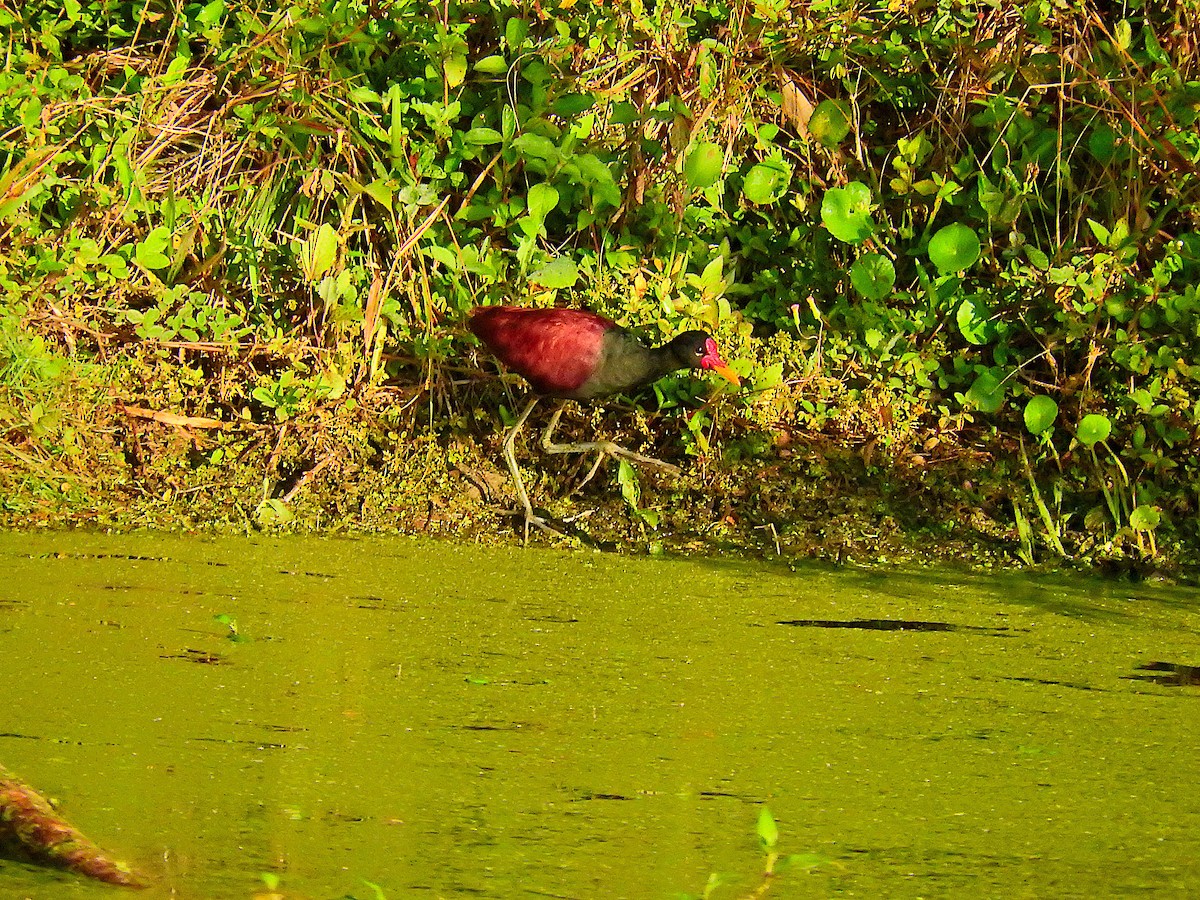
(448, 721)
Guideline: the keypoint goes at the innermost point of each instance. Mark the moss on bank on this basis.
(129, 445)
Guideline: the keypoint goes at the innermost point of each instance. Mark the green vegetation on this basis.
(773, 863)
(953, 246)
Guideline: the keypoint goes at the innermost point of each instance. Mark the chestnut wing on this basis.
(556, 350)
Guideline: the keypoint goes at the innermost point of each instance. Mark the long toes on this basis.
(610, 449)
(532, 519)
(658, 463)
(651, 461)
(542, 525)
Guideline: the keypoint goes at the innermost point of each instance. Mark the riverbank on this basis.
(381, 462)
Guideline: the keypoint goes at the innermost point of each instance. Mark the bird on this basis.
(574, 354)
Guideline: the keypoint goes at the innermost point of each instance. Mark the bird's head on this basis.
(697, 350)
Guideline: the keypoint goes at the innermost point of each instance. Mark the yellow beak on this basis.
(728, 374)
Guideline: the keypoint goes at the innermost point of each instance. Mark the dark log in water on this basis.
(31, 829)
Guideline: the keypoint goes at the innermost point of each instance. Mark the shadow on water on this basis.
(896, 625)
(1169, 674)
(1085, 596)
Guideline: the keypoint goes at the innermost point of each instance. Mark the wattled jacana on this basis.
(571, 354)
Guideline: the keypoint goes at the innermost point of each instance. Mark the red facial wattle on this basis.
(712, 362)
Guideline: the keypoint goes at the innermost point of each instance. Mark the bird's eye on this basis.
(699, 350)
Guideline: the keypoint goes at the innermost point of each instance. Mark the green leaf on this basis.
(514, 32)
(443, 255)
(628, 480)
(703, 166)
(1144, 518)
(211, 13)
(381, 192)
(830, 122)
(974, 320)
(536, 146)
(768, 831)
(492, 65)
(954, 248)
(150, 253)
(1154, 49)
(599, 178)
(364, 95)
(987, 393)
(320, 252)
(624, 113)
(711, 280)
(1123, 34)
(1040, 413)
(1092, 428)
(10, 206)
(1101, 233)
(709, 75)
(175, 71)
(541, 200)
(456, 69)
(767, 181)
(572, 104)
(560, 272)
(1102, 143)
(846, 212)
(273, 512)
(1037, 257)
(481, 136)
(873, 275)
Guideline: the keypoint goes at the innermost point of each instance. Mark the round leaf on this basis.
(1144, 518)
(151, 251)
(873, 275)
(987, 393)
(830, 122)
(703, 166)
(560, 272)
(954, 248)
(846, 212)
(974, 320)
(1040, 413)
(1094, 427)
(767, 181)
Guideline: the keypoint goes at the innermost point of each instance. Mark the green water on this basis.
(456, 722)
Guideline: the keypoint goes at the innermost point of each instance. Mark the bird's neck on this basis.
(626, 363)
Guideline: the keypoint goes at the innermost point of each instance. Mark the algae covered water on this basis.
(332, 718)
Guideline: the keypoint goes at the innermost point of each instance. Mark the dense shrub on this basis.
(921, 227)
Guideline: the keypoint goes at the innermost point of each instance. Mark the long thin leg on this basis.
(600, 448)
(510, 458)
